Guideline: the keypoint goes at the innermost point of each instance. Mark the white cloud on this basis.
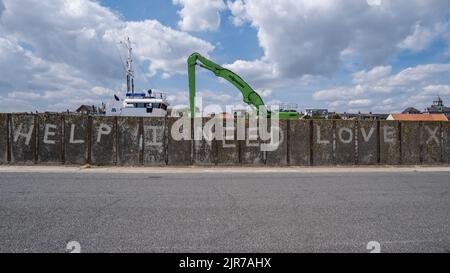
(311, 37)
(70, 49)
(381, 90)
(257, 71)
(374, 2)
(421, 74)
(340, 93)
(419, 40)
(166, 49)
(261, 75)
(97, 90)
(437, 90)
(200, 15)
(373, 75)
(212, 101)
(422, 37)
(264, 93)
(359, 103)
(238, 10)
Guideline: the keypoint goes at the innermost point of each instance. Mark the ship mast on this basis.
(129, 66)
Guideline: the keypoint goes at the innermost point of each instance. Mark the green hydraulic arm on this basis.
(250, 96)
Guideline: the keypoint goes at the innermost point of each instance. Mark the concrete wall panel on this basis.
(23, 139)
(155, 151)
(50, 138)
(368, 142)
(179, 151)
(446, 142)
(389, 143)
(431, 139)
(410, 136)
(76, 139)
(300, 143)
(345, 142)
(227, 143)
(103, 141)
(205, 149)
(4, 138)
(250, 148)
(278, 157)
(322, 143)
(129, 141)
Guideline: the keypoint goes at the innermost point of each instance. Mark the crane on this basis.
(250, 96)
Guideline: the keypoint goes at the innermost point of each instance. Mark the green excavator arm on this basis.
(249, 95)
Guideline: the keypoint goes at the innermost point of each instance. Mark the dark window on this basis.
(140, 105)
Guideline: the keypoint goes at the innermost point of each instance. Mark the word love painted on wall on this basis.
(346, 135)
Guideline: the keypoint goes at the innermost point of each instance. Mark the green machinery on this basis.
(250, 96)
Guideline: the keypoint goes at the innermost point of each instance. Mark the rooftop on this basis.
(418, 117)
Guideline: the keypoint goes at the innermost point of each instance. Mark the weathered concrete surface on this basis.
(250, 148)
(50, 138)
(368, 137)
(446, 142)
(155, 151)
(431, 139)
(205, 149)
(23, 139)
(322, 143)
(103, 141)
(389, 143)
(179, 151)
(149, 141)
(227, 144)
(410, 142)
(129, 141)
(76, 139)
(345, 142)
(299, 143)
(279, 156)
(3, 138)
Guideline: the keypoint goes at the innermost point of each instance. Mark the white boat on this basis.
(150, 104)
(144, 104)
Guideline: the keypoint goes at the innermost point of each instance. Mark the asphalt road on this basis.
(225, 212)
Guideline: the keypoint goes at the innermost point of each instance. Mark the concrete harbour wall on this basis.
(135, 141)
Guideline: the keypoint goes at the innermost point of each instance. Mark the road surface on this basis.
(225, 211)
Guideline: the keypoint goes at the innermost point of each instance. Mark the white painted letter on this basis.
(72, 136)
(366, 136)
(18, 133)
(319, 140)
(103, 130)
(388, 134)
(432, 135)
(47, 133)
(154, 134)
(341, 138)
(181, 128)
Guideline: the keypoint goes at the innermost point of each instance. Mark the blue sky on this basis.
(345, 55)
